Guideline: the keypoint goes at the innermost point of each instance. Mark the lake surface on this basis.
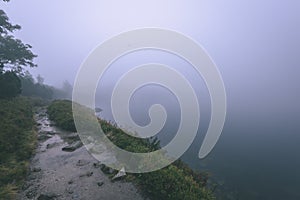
(256, 157)
(258, 153)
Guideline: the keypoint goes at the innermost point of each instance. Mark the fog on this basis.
(255, 45)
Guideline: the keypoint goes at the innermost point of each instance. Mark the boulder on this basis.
(73, 146)
(47, 196)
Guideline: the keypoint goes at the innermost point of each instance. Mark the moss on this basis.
(177, 181)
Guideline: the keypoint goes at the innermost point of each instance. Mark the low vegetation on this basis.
(177, 181)
(60, 111)
(17, 142)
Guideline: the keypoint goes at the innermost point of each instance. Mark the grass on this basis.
(60, 111)
(175, 182)
(17, 142)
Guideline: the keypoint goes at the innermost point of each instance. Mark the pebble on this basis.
(36, 169)
(100, 183)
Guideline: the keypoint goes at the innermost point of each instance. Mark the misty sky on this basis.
(254, 43)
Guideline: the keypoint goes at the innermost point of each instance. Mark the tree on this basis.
(10, 85)
(35, 89)
(14, 54)
(40, 79)
(67, 88)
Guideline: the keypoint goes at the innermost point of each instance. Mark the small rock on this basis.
(70, 182)
(25, 186)
(47, 132)
(106, 170)
(31, 193)
(97, 164)
(73, 146)
(49, 146)
(82, 162)
(70, 191)
(100, 183)
(36, 169)
(120, 175)
(88, 174)
(75, 196)
(48, 196)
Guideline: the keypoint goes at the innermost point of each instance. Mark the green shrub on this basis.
(175, 182)
(17, 142)
(10, 85)
(60, 111)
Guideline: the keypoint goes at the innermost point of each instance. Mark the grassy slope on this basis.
(176, 181)
(17, 141)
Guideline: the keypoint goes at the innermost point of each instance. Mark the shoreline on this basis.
(174, 182)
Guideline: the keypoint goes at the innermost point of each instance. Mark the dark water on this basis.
(254, 159)
(258, 153)
(257, 156)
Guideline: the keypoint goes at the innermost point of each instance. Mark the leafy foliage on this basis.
(14, 54)
(32, 89)
(17, 141)
(175, 182)
(10, 85)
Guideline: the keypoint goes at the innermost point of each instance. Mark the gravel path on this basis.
(57, 174)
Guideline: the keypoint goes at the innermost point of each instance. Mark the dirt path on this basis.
(57, 174)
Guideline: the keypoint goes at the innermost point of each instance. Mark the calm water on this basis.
(256, 159)
(257, 156)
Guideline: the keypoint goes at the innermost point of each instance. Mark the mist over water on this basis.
(257, 156)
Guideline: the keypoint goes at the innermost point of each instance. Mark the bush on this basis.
(10, 85)
(60, 111)
(32, 89)
(175, 182)
(17, 142)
